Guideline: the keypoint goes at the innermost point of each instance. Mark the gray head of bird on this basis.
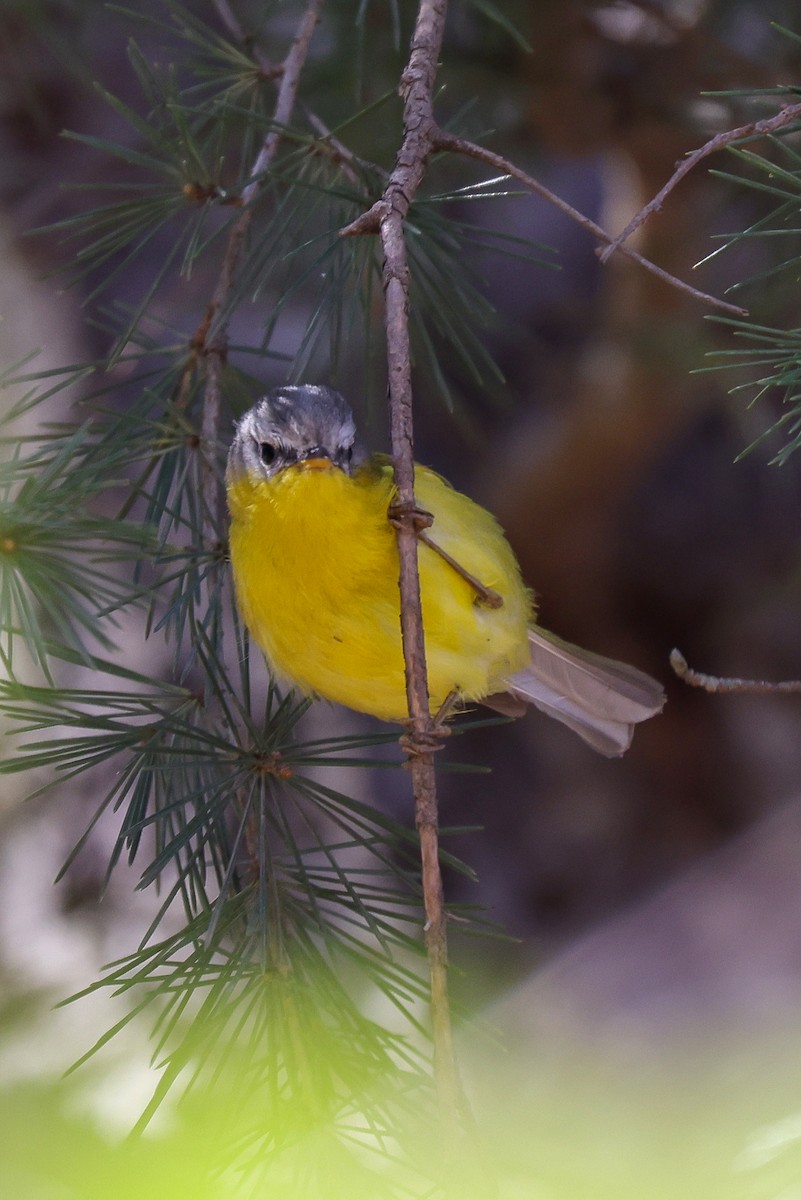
(302, 424)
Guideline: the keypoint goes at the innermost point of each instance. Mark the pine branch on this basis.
(448, 141)
(762, 128)
(387, 217)
(215, 350)
(369, 221)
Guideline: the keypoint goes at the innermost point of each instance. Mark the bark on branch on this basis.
(722, 684)
(211, 337)
(387, 218)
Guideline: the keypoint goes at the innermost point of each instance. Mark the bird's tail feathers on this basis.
(598, 698)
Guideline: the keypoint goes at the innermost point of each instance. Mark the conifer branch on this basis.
(370, 221)
(448, 141)
(761, 128)
(214, 351)
(387, 218)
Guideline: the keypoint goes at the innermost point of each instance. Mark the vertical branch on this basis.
(387, 218)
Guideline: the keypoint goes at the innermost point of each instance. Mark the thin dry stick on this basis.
(717, 683)
(215, 350)
(761, 128)
(387, 218)
(448, 141)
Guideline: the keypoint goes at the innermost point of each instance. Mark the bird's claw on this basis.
(399, 510)
(417, 742)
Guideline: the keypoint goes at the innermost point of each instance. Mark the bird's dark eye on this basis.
(268, 452)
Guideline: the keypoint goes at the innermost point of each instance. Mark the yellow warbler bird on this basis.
(315, 565)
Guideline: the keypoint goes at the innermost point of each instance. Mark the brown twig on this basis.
(720, 684)
(761, 128)
(214, 349)
(484, 595)
(448, 141)
(341, 154)
(331, 144)
(387, 218)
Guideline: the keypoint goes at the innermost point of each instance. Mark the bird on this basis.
(315, 567)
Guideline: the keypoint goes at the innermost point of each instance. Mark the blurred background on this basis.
(651, 902)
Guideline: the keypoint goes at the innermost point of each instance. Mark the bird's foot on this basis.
(416, 742)
(421, 519)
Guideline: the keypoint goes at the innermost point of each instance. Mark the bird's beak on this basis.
(316, 458)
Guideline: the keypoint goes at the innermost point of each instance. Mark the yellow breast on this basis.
(316, 572)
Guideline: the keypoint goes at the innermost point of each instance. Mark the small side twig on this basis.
(721, 684)
(448, 141)
(341, 154)
(760, 128)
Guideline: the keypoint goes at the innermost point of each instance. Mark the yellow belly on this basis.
(316, 572)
